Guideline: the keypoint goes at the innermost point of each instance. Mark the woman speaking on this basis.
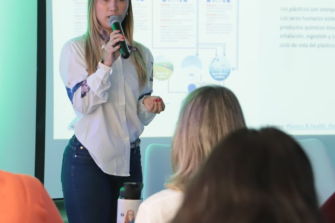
(111, 97)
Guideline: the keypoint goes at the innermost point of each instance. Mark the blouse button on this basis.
(81, 147)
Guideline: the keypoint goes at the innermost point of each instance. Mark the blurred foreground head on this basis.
(253, 177)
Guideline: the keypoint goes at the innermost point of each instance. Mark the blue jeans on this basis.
(90, 195)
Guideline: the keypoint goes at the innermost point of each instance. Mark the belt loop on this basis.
(135, 144)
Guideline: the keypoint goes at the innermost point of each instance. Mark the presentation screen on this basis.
(276, 56)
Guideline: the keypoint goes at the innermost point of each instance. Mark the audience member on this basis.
(208, 114)
(24, 199)
(253, 177)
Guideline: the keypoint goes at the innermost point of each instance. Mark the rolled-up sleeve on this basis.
(86, 93)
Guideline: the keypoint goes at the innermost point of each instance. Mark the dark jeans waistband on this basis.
(133, 145)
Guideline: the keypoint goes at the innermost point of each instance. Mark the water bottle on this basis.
(129, 202)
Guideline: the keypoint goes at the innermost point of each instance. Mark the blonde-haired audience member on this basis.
(209, 113)
(23, 198)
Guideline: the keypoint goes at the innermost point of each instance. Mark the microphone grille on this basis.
(113, 19)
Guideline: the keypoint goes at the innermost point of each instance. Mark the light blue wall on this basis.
(18, 48)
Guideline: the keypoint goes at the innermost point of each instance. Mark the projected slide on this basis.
(277, 56)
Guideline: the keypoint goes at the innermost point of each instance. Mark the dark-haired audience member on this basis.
(253, 177)
(24, 199)
(208, 114)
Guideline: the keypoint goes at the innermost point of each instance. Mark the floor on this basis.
(60, 205)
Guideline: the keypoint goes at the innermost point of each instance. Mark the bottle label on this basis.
(127, 210)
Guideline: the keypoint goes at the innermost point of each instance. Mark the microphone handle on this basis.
(124, 50)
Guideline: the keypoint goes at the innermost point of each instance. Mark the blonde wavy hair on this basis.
(209, 113)
(93, 52)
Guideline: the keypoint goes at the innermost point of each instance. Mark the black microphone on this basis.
(115, 23)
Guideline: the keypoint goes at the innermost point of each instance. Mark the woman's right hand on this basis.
(113, 46)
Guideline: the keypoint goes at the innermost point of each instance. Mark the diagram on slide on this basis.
(203, 34)
(198, 38)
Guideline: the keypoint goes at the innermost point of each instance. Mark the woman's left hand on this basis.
(154, 104)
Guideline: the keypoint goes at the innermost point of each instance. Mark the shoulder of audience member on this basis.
(17, 182)
(17, 177)
(162, 197)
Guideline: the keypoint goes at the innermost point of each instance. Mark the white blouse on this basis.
(160, 207)
(108, 105)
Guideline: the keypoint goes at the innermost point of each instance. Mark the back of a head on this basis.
(253, 176)
(209, 113)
